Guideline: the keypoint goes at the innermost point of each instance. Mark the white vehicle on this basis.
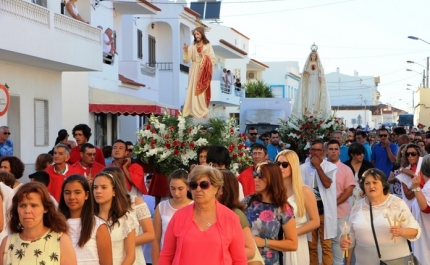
(264, 113)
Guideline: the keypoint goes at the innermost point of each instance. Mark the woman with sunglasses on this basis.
(409, 168)
(165, 209)
(205, 232)
(303, 202)
(270, 214)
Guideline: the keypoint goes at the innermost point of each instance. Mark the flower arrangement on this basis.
(169, 142)
(224, 133)
(300, 132)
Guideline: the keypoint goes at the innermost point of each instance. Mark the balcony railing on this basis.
(238, 91)
(26, 11)
(81, 30)
(225, 88)
(184, 69)
(145, 69)
(161, 66)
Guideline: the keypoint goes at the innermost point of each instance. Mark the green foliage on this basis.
(258, 89)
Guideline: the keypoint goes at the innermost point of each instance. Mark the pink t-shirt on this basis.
(344, 179)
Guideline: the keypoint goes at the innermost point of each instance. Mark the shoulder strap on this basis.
(373, 230)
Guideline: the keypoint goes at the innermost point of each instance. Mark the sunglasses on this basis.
(383, 135)
(414, 154)
(256, 174)
(252, 133)
(283, 164)
(204, 185)
(6, 133)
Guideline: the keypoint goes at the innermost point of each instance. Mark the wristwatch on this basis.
(416, 189)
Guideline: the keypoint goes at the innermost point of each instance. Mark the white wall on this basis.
(348, 115)
(29, 84)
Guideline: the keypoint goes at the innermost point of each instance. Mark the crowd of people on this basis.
(85, 205)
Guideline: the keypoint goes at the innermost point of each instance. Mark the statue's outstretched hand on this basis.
(185, 47)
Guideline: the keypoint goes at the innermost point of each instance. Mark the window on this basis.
(151, 51)
(41, 2)
(139, 44)
(41, 122)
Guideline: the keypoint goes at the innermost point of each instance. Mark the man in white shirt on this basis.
(320, 175)
(224, 76)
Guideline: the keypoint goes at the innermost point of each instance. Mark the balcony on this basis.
(38, 37)
(221, 94)
(135, 7)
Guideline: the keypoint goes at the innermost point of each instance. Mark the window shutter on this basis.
(41, 126)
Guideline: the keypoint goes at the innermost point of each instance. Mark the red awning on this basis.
(132, 109)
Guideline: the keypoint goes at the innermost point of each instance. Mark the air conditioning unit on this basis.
(251, 75)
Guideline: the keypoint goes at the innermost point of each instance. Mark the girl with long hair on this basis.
(303, 202)
(140, 215)
(89, 234)
(165, 209)
(228, 195)
(270, 214)
(113, 206)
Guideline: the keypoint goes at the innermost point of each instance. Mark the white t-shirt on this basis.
(223, 76)
(106, 47)
(230, 79)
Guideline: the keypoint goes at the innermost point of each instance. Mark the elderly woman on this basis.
(270, 214)
(409, 168)
(304, 204)
(14, 165)
(383, 206)
(205, 232)
(421, 210)
(38, 230)
(358, 165)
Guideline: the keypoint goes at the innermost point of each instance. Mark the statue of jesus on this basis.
(200, 75)
(312, 98)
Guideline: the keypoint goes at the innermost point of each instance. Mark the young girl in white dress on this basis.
(141, 217)
(303, 201)
(165, 210)
(113, 206)
(89, 234)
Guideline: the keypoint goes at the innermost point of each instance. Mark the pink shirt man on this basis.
(344, 179)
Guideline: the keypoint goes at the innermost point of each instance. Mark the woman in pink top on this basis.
(205, 232)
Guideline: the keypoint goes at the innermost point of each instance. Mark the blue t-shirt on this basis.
(258, 141)
(273, 151)
(368, 152)
(380, 156)
(6, 148)
(344, 154)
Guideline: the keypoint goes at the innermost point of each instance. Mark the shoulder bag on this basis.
(408, 260)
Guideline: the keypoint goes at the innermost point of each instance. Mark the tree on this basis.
(258, 89)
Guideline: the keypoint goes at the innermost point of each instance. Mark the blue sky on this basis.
(369, 36)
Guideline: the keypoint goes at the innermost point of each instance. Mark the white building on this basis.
(283, 78)
(346, 90)
(39, 46)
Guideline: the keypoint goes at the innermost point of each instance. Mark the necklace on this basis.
(208, 224)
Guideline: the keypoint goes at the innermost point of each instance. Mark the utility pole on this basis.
(427, 72)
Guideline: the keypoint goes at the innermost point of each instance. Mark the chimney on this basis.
(337, 70)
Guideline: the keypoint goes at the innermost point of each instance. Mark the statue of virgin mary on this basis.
(312, 98)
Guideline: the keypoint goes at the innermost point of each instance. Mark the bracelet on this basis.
(266, 243)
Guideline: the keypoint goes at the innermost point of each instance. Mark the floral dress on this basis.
(266, 221)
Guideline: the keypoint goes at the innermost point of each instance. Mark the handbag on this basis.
(408, 260)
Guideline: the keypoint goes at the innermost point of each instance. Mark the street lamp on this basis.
(424, 75)
(428, 59)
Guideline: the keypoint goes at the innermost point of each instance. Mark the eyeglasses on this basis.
(383, 135)
(283, 164)
(256, 174)
(252, 133)
(204, 185)
(6, 133)
(316, 150)
(414, 154)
